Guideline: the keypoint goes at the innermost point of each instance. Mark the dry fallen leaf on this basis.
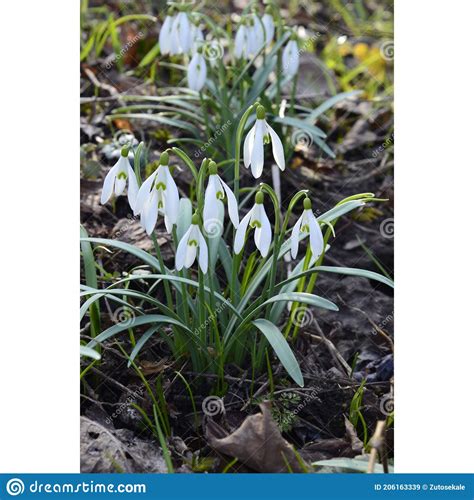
(257, 443)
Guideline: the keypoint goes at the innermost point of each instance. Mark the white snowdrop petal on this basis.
(316, 239)
(108, 187)
(248, 146)
(172, 198)
(132, 190)
(277, 148)
(181, 250)
(239, 42)
(295, 237)
(203, 253)
(240, 233)
(264, 233)
(231, 204)
(256, 159)
(269, 26)
(144, 192)
(150, 213)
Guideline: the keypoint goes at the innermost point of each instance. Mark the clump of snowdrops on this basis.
(228, 296)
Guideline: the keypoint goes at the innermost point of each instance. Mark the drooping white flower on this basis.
(256, 37)
(261, 133)
(158, 195)
(241, 42)
(116, 180)
(307, 224)
(166, 34)
(181, 40)
(197, 38)
(291, 58)
(269, 25)
(258, 220)
(197, 72)
(216, 191)
(191, 244)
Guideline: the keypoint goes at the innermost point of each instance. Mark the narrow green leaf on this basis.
(281, 348)
(89, 353)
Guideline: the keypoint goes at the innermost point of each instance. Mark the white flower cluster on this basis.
(159, 195)
(180, 36)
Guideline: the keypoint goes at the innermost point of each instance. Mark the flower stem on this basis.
(169, 298)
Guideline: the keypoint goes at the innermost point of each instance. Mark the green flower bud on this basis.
(307, 204)
(124, 151)
(164, 158)
(259, 198)
(195, 219)
(212, 168)
(260, 112)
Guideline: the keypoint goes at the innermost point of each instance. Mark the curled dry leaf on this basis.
(257, 443)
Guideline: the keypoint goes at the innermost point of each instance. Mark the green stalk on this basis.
(169, 298)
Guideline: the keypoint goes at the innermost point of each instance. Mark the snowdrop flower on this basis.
(269, 25)
(307, 224)
(261, 133)
(258, 220)
(291, 58)
(216, 191)
(241, 42)
(191, 243)
(158, 195)
(116, 180)
(197, 38)
(166, 34)
(257, 35)
(181, 40)
(197, 71)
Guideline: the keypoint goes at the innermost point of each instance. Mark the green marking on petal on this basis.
(220, 195)
(305, 228)
(122, 175)
(256, 223)
(160, 204)
(266, 139)
(160, 185)
(192, 243)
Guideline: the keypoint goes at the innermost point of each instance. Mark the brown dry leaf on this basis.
(122, 124)
(257, 443)
(152, 368)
